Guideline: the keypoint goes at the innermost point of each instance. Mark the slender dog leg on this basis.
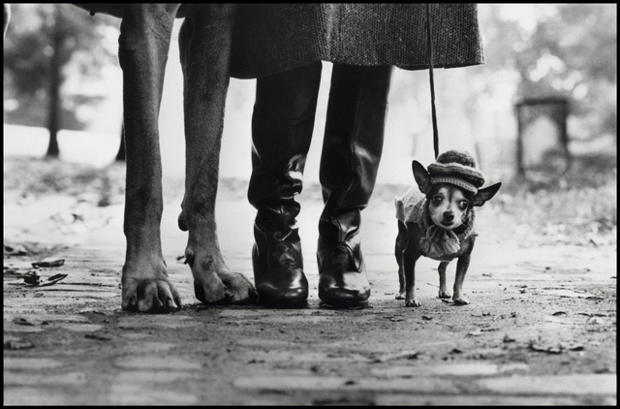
(461, 269)
(410, 257)
(399, 250)
(443, 289)
(143, 51)
(205, 41)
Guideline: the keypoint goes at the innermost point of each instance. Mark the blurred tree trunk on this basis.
(120, 156)
(58, 39)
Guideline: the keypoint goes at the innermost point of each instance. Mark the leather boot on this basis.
(282, 126)
(349, 163)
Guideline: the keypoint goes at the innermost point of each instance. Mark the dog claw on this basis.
(412, 303)
(149, 295)
(171, 304)
(444, 294)
(224, 288)
(461, 300)
(400, 296)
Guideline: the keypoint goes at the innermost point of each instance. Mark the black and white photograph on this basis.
(292, 204)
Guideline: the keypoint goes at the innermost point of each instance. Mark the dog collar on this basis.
(454, 181)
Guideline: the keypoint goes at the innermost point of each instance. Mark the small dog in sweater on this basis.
(438, 221)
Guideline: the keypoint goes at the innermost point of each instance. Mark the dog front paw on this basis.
(148, 289)
(215, 284)
(461, 300)
(400, 295)
(240, 289)
(224, 287)
(412, 303)
(444, 294)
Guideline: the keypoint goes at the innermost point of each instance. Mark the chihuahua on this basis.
(438, 221)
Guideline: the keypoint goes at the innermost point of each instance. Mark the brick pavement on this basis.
(69, 343)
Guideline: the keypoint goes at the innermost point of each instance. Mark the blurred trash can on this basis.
(542, 142)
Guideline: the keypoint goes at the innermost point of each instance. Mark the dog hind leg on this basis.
(205, 41)
(410, 257)
(399, 250)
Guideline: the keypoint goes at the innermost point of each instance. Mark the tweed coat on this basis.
(269, 38)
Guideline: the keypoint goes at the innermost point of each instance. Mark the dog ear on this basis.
(422, 178)
(486, 194)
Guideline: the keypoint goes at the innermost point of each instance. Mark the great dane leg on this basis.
(143, 51)
(205, 41)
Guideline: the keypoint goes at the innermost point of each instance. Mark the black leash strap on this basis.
(432, 81)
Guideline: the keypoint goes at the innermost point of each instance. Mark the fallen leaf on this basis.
(17, 344)
(559, 313)
(401, 355)
(46, 264)
(23, 321)
(53, 280)
(587, 314)
(564, 293)
(98, 336)
(31, 278)
(548, 349)
(508, 338)
(17, 250)
(555, 348)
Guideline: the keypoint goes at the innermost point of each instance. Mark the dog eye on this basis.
(437, 200)
(463, 204)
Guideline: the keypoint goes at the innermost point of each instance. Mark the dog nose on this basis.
(448, 216)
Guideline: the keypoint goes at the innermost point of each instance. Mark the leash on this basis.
(432, 80)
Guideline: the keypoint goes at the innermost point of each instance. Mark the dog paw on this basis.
(400, 296)
(444, 294)
(240, 289)
(461, 300)
(412, 303)
(224, 287)
(150, 295)
(214, 283)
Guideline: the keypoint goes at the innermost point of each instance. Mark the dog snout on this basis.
(448, 216)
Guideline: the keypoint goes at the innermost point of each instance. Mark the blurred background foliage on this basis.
(532, 50)
(567, 50)
(54, 51)
(50, 53)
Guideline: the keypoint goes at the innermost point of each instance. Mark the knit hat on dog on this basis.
(456, 168)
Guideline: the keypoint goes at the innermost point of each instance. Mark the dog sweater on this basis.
(436, 243)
